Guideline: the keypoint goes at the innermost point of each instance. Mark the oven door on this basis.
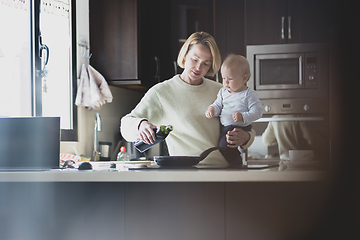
(279, 71)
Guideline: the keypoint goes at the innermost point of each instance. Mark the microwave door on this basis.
(279, 71)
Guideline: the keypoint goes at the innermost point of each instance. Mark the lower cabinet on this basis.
(174, 211)
(135, 211)
(274, 210)
(78, 211)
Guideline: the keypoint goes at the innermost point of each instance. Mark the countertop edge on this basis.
(165, 176)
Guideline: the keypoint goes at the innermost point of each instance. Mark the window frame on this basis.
(66, 134)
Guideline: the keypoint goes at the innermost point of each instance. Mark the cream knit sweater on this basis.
(183, 106)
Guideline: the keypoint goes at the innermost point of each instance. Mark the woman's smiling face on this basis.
(198, 62)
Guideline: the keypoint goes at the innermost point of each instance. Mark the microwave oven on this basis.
(294, 75)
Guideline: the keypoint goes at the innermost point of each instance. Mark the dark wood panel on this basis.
(175, 211)
(305, 21)
(263, 21)
(88, 210)
(310, 20)
(113, 38)
(275, 211)
(236, 34)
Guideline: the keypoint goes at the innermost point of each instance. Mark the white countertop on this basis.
(165, 176)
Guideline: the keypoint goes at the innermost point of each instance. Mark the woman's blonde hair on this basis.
(207, 40)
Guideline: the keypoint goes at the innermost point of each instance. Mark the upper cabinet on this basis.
(187, 17)
(230, 26)
(287, 21)
(130, 41)
(154, 41)
(138, 41)
(114, 38)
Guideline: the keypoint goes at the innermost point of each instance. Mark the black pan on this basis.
(182, 161)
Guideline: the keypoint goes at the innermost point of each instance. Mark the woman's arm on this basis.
(149, 108)
(238, 137)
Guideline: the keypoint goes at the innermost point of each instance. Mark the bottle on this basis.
(160, 133)
(122, 155)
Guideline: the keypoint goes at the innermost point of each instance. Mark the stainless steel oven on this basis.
(290, 78)
(292, 82)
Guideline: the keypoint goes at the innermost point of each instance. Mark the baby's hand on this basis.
(237, 117)
(210, 112)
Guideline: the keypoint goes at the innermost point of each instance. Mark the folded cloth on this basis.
(93, 91)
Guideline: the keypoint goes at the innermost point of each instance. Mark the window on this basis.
(15, 59)
(38, 61)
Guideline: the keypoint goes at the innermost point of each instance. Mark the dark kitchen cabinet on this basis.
(113, 38)
(154, 24)
(187, 17)
(310, 20)
(171, 210)
(130, 41)
(230, 26)
(264, 21)
(286, 210)
(287, 21)
(176, 211)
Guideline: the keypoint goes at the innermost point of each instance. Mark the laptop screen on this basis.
(29, 143)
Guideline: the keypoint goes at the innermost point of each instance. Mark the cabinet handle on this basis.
(157, 74)
(175, 67)
(282, 28)
(300, 71)
(289, 27)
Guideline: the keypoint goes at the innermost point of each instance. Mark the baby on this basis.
(236, 104)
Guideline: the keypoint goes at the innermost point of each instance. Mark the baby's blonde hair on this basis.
(207, 40)
(238, 62)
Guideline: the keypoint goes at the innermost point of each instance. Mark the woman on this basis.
(181, 101)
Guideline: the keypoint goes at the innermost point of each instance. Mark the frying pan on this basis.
(183, 161)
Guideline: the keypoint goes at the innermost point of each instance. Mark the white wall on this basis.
(123, 102)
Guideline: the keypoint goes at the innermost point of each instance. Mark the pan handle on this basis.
(208, 151)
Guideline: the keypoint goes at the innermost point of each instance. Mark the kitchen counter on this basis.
(213, 204)
(225, 175)
(161, 204)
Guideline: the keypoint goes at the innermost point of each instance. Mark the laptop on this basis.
(29, 143)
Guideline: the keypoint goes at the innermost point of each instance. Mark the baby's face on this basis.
(233, 79)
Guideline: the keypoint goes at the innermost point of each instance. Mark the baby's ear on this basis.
(245, 77)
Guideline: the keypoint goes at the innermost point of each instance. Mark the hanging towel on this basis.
(93, 91)
(83, 98)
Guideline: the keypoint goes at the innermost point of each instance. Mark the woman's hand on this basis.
(237, 137)
(147, 133)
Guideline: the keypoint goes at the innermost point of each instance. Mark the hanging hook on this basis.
(43, 47)
(84, 46)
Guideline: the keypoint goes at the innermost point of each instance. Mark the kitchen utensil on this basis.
(184, 160)
(105, 148)
(301, 155)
